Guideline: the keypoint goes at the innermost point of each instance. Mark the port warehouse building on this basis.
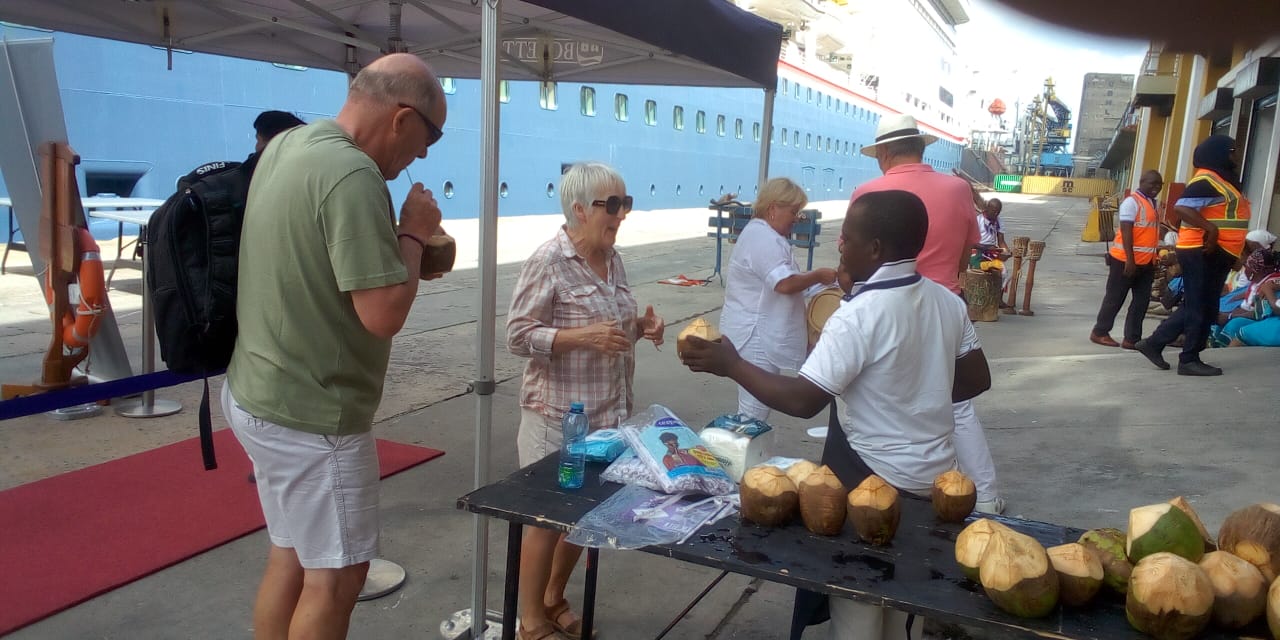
(1180, 99)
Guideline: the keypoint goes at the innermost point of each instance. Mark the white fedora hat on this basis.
(898, 127)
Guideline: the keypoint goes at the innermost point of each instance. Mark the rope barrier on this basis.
(74, 396)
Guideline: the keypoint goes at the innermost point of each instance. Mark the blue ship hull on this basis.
(138, 127)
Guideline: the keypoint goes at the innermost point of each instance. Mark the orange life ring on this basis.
(80, 323)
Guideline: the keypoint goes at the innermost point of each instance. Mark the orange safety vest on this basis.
(1146, 233)
(1231, 216)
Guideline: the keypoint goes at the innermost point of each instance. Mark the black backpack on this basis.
(193, 241)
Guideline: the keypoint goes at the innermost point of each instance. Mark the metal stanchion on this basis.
(148, 406)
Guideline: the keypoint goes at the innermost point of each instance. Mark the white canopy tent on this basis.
(669, 42)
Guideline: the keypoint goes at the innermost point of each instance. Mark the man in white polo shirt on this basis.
(899, 351)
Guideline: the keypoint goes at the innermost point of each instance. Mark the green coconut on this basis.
(1108, 545)
(1079, 573)
(1253, 533)
(1017, 575)
(1209, 543)
(1162, 527)
(1170, 597)
(972, 543)
(1239, 590)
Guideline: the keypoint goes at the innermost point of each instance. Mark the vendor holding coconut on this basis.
(764, 293)
(574, 317)
(899, 351)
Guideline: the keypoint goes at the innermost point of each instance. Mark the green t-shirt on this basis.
(317, 226)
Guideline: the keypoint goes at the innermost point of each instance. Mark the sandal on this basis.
(545, 632)
(572, 630)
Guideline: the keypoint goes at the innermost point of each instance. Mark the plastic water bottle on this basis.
(975, 261)
(573, 465)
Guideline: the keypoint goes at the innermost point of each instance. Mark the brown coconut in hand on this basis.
(875, 510)
(972, 543)
(1253, 533)
(769, 498)
(1079, 573)
(822, 503)
(1170, 597)
(1239, 590)
(1108, 545)
(954, 496)
(700, 328)
(438, 255)
(1017, 575)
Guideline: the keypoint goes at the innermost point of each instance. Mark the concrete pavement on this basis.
(1080, 434)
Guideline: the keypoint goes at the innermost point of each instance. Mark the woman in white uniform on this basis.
(764, 294)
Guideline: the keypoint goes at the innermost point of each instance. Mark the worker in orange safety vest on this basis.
(1132, 264)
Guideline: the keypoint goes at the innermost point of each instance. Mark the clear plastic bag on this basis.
(629, 469)
(675, 454)
(636, 517)
(739, 442)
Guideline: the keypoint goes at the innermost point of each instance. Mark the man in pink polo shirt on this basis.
(953, 231)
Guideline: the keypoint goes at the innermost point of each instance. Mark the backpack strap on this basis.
(206, 431)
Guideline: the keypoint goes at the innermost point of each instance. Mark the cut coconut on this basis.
(1253, 533)
(1239, 590)
(1017, 575)
(1181, 503)
(800, 470)
(1109, 545)
(1162, 527)
(1273, 609)
(769, 497)
(972, 543)
(874, 510)
(1079, 573)
(954, 496)
(822, 502)
(700, 328)
(1170, 597)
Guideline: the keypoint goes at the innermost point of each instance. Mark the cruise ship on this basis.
(138, 126)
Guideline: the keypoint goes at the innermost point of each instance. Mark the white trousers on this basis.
(860, 621)
(972, 451)
(749, 405)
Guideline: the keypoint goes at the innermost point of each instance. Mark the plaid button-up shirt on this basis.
(558, 290)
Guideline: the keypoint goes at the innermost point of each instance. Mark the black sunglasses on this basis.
(433, 132)
(614, 204)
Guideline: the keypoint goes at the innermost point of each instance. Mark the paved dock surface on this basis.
(1080, 434)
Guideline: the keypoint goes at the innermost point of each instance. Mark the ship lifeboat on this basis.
(997, 107)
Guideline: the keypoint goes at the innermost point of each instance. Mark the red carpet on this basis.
(71, 537)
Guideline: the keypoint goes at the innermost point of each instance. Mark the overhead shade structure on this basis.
(668, 42)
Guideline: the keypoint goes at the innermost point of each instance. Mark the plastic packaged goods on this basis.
(629, 469)
(675, 453)
(636, 517)
(603, 445)
(739, 442)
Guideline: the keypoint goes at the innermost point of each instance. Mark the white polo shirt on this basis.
(752, 309)
(890, 354)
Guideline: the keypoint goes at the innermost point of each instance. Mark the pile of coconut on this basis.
(773, 497)
(1175, 580)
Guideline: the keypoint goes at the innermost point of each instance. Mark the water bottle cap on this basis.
(576, 407)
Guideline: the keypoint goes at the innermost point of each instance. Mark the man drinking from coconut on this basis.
(899, 351)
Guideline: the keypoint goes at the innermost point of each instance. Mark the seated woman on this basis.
(1255, 322)
(1237, 284)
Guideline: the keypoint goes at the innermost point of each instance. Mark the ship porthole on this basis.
(503, 190)
(653, 190)
(448, 189)
(551, 190)
(678, 189)
(721, 189)
(700, 189)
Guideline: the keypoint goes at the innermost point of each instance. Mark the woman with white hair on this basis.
(574, 317)
(763, 311)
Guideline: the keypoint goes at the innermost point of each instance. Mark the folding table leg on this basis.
(589, 592)
(510, 603)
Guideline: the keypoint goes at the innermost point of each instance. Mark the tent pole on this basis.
(490, 16)
(766, 138)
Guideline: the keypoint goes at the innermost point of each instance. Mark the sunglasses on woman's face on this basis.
(614, 204)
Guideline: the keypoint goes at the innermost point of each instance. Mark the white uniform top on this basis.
(752, 309)
(890, 354)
